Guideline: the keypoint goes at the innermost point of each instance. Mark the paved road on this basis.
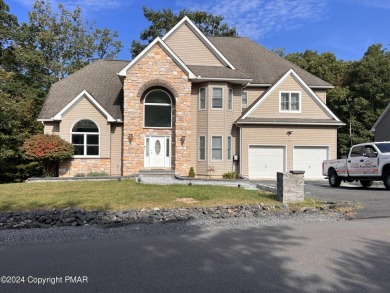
(376, 199)
(342, 256)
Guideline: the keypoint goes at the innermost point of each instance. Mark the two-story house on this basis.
(217, 104)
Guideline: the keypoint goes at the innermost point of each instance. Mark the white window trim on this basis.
(85, 139)
(290, 92)
(212, 97)
(214, 160)
(230, 90)
(205, 148)
(229, 150)
(157, 104)
(205, 99)
(244, 105)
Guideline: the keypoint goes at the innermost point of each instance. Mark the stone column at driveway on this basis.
(290, 186)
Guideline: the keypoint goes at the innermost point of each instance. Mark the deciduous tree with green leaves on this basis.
(163, 20)
(34, 55)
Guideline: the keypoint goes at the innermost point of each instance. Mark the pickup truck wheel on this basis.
(334, 179)
(366, 183)
(386, 180)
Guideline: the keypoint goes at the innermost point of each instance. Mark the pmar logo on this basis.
(76, 279)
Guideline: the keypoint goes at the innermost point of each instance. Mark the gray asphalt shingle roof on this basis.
(216, 72)
(100, 79)
(258, 63)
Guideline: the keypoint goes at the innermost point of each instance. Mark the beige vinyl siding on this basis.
(190, 49)
(200, 121)
(253, 94)
(116, 149)
(85, 110)
(51, 127)
(269, 108)
(276, 136)
(321, 94)
(382, 132)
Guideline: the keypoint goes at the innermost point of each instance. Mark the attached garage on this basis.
(309, 159)
(266, 161)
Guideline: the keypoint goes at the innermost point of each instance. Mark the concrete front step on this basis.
(156, 172)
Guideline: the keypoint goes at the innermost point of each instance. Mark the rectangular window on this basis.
(202, 148)
(230, 100)
(229, 148)
(217, 98)
(202, 98)
(290, 101)
(216, 148)
(244, 99)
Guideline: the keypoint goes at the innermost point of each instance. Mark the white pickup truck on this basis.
(366, 162)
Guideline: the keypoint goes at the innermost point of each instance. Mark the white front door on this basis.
(157, 152)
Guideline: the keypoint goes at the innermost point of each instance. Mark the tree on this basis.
(163, 20)
(49, 149)
(66, 41)
(34, 55)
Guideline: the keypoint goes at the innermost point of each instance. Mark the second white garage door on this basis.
(266, 161)
(310, 160)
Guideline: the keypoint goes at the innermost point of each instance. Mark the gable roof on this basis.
(99, 79)
(260, 64)
(244, 119)
(202, 37)
(384, 113)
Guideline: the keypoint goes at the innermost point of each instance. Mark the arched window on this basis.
(85, 138)
(158, 109)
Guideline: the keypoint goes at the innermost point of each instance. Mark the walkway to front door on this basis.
(157, 151)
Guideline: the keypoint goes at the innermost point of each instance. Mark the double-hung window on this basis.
(85, 138)
(202, 148)
(290, 102)
(202, 98)
(216, 148)
(217, 98)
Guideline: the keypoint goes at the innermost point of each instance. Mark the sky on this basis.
(345, 27)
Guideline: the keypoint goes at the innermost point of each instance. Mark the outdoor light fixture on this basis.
(130, 137)
(183, 139)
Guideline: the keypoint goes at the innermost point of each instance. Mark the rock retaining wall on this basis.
(79, 217)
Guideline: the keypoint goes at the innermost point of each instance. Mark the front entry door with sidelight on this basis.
(157, 152)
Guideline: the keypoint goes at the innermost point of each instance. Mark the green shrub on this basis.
(230, 175)
(191, 173)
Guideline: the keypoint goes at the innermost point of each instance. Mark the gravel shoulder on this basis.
(89, 232)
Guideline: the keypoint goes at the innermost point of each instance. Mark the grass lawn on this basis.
(121, 195)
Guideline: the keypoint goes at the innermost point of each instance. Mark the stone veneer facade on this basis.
(156, 69)
(70, 168)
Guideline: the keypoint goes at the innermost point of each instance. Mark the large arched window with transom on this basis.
(85, 138)
(158, 109)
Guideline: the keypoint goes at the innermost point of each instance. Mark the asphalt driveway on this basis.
(376, 199)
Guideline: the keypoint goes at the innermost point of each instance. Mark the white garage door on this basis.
(266, 161)
(310, 160)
